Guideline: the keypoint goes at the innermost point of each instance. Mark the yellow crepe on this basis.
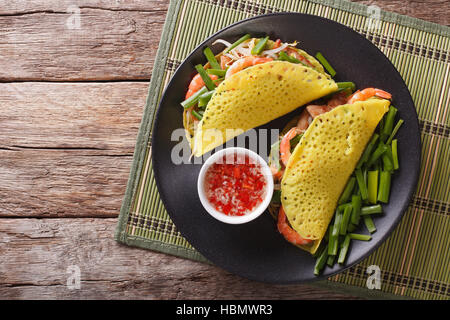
(322, 163)
(255, 96)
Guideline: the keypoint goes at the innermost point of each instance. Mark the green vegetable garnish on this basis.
(321, 260)
(192, 100)
(259, 47)
(345, 196)
(360, 237)
(206, 79)
(394, 132)
(238, 42)
(394, 154)
(369, 223)
(217, 72)
(325, 64)
(371, 210)
(344, 249)
(198, 115)
(204, 98)
(372, 189)
(386, 131)
(211, 58)
(385, 186)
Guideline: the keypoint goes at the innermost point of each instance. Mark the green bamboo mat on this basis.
(415, 260)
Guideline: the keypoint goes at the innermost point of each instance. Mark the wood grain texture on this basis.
(106, 45)
(436, 11)
(116, 40)
(66, 150)
(112, 271)
(100, 116)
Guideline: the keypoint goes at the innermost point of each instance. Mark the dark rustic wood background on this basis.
(71, 103)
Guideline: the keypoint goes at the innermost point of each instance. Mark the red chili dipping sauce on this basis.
(235, 185)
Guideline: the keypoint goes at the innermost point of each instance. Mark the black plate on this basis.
(256, 250)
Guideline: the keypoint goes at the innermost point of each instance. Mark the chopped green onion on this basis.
(356, 212)
(211, 58)
(382, 148)
(386, 131)
(385, 186)
(294, 141)
(276, 196)
(204, 98)
(320, 262)
(206, 79)
(360, 237)
(371, 210)
(326, 64)
(369, 224)
(259, 47)
(345, 196)
(238, 42)
(365, 156)
(372, 186)
(334, 238)
(346, 85)
(283, 56)
(394, 154)
(198, 115)
(329, 232)
(362, 184)
(330, 261)
(394, 131)
(344, 249)
(388, 162)
(345, 220)
(341, 207)
(192, 100)
(217, 72)
(351, 227)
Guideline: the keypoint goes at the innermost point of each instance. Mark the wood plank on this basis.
(117, 40)
(62, 183)
(67, 148)
(100, 116)
(20, 7)
(37, 252)
(108, 45)
(430, 10)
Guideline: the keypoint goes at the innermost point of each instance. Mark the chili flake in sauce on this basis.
(235, 185)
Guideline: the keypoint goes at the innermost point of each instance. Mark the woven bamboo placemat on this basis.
(415, 260)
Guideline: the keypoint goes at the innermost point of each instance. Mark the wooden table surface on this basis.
(71, 103)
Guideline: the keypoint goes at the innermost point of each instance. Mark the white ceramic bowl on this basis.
(257, 211)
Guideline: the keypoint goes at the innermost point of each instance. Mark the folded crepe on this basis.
(256, 95)
(322, 162)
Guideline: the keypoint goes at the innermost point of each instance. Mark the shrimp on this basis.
(196, 84)
(285, 145)
(315, 110)
(225, 61)
(338, 99)
(245, 63)
(288, 233)
(303, 121)
(277, 44)
(368, 93)
(276, 173)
